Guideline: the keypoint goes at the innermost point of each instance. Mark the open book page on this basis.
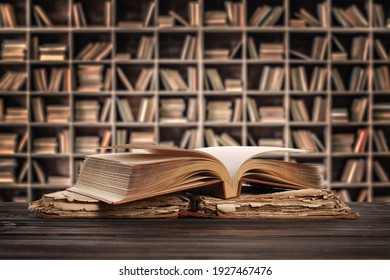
(233, 157)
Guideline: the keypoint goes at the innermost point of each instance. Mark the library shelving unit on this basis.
(165, 53)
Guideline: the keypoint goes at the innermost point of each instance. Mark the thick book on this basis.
(218, 171)
(295, 204)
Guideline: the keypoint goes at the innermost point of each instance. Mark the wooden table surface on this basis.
(23, 236)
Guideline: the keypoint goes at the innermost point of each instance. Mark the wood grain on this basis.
(23, 236)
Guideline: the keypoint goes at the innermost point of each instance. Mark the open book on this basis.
(218, 171)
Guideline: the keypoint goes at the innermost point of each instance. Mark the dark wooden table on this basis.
(23, 236)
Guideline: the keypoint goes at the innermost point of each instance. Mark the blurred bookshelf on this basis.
(289, 73)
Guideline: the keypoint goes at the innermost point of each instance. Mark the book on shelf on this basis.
(252, 51)
(38, 109)
(233, 85)
(217, 54)
(381, 78)
(271, 79)
(130, 24)
(337, 80)
(343, 142)
(23, 172)
(339, 115)
(234, 13)
(142, 137)
(193, 13)
(360, 48)
(120, 139)
(192, 139)
(41, 17)
(13, 50)
(319, 109)
(219, 111)
(172, 80)
(86, 144)
(145, 80)
(8, 143)
(86, 111)
(39, 173)
(124, 80)
(215, 18)
(353, 171)
(79, 18)
(124, 110)
(344, 195)
(8, 17)
(300, 55)
(189, 50)
(58, 113)
(252, 109)
(297, 23)
(1, 110)
(380, 140)
(380, 172)
(214, 79)
(108, 13)
(90, 78)
(52, 52)
(16, 115)
(178, 18)
(271, 114)
(172, 110)
(224, 183)
(64, 142)
(272, 17)
(147, 110)
(106, 140)
(271, 51)
(104, 114)
(363, 195)
(271, 142)
(319, 48)
(7, 170)
(95, 51)
(299, 79)
(23, 142)
(149, 13)
(378, 15)
(146, 48)
(322, 19)
(13, 80)
(57, 180)
(122, 56)
(299, 112)
(166, 21)
(259, 15)
(307, 140)
(380, 50)
(358, 109)
(361, 141)
(45, 145)
(350, 16)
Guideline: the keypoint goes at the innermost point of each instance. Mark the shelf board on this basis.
(349, 185)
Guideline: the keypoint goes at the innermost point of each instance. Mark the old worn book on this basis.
(296, 204)
(219, 171)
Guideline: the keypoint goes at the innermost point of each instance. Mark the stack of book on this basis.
(142, 137)
(350, 17)
(8, 143)
(172, 110)
(172, 80)
(57, 180)
(305, 18)
(343, 142)
(95, 51)
(59, 77)
(146, 48)
(353, 171)
(7, 16)
(16, 115)
(52, 52)
(271, 142)
(87, 111)
(166, 21)
(45, 145)
(307, 140)
(380, 141)
(7, 170)
(271, 51)
(381, 112)
(58, 113)
(381, 78)
(217, 54)
(86, 144)
(90, 78)
(13, 50)
(271, 79)
(224, 139)
(339, 115)
(189, 50)
(215, 18)
(233, 85)
(271, 114)
(266, 16)
(219, 111)
(13, 80)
